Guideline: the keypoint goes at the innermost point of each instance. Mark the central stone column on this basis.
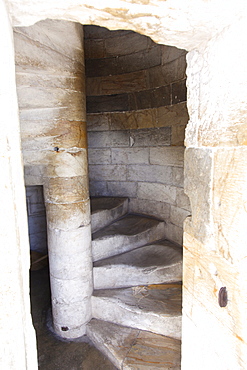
(69, 235)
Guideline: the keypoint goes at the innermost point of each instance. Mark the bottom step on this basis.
(135, 349)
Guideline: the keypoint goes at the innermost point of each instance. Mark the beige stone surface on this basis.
(218, 120)
(180, 21)
(155, 308)
(135, 349)
(17, 339)
(145, 118)
(126, 234)
(167, 156)
(153, 264)
(105, 210)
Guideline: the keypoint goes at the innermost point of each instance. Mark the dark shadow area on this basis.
(54, 354)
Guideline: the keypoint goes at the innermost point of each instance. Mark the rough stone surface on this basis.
(153, 264)
(156, 308)
(126, 234)
(105, 210)
(135, 349)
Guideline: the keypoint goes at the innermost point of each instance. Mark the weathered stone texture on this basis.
(108, 139)
(147, 173)
(99, 156)
(144, 118)
(122, 188)
(108, 172)
(198, 169)
(151, 208)
(167, 156)
(151, 137)
(159, 192)
(130, 155)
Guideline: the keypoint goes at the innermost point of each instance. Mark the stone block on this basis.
(123, 83)
(157, 192)
(33, 175)
(94, 86)
(101, 67)
(145, 118)
(68, 216)
(38, 97)
(27, 53)
(128, 43)
(123, 121)
(174, 233)
(179, 92)
(178, 176)
(152, 98)
(49, 80)
(178, 215)
(161, 96)
(168, 73)
(151, 137)
(98, 188)
(167, 156)
(172, 115)
(229, 203)
(44, 35)
(178, 135)
(99, 156)
(153, 208)
(140, 100)
(130, 155)
(106, 139)
(107, 103)
(61, 190)
(197, 185)
(107, 172)
(148, 173)
(171, 53)
(139, 61)
(97, 122)
(94, 49)
(182, 200)
(122, 189)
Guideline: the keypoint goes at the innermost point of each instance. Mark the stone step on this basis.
(152, 264)
(155, 308)
(130, 232)
(135, 349)
(105, 210)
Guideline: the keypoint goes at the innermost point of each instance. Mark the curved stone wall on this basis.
(136, 116)
(127, 71)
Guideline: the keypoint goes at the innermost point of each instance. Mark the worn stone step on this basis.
(152, 264)
(155, 308)
(135, 349)
(128, 233)
(105, 210)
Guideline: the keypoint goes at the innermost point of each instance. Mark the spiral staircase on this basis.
(136, 304)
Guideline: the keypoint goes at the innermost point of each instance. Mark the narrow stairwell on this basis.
(137, 300)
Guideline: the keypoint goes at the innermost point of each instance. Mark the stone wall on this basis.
(36, 218)
(136, 105)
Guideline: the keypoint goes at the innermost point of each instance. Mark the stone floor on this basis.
(54, 354)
